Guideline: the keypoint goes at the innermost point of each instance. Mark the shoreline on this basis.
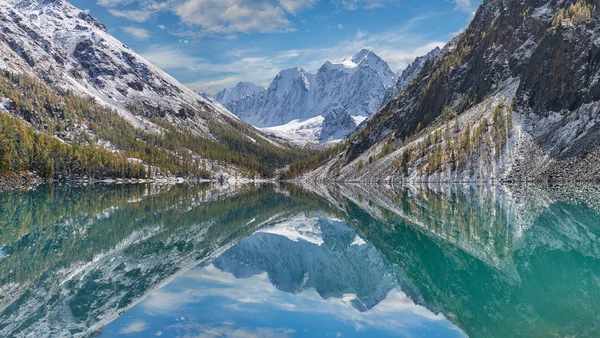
(11, 181)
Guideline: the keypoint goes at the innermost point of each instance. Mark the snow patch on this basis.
(299, 132)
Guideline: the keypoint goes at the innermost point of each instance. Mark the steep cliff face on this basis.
(514, 97)
(406, 76)
(243, 98)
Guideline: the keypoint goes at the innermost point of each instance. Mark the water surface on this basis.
(266, 261)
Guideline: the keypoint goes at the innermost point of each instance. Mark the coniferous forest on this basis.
(59, 135)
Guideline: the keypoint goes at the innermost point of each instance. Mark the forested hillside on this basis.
(75, 102)
(62, 135)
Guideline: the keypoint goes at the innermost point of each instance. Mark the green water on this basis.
(352, 261)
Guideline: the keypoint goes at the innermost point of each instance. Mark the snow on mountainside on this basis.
(340, 92)
(298, 132)
(241, 98)
(70, 50)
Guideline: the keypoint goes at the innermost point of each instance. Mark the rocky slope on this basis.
(70, 52)
(408, 74)
(513, 98)
(350, 90)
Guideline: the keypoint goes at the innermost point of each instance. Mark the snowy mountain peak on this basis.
(349, 91)
(288, 77)
(360, 56)
(240, 91)
(32, 4)
(366, 60)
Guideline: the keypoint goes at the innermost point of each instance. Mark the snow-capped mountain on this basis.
(242, 98)
(70, 50)
(356, 86)
(289, 97)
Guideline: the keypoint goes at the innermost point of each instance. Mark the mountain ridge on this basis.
(511, 99)
(339, 92)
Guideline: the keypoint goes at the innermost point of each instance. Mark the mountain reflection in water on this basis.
(340, 260)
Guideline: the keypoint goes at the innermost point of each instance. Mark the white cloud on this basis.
(217, 17)
(467, 6)
(233, 16)
(294, 6)
(133, 15)
(134, 327)
(138, 33)
(169, 58)
(396, 313)
(228, 330)
(215, 85)
(340, 26)
(113, 3)
(351, 5)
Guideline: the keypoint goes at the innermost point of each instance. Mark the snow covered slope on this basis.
(299, 132)
(242, 98)
(70, 50)
(352, 89)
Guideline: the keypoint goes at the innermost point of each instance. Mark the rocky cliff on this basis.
(513, 98)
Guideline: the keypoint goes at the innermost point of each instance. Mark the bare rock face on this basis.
(406, 76)
(337, 125)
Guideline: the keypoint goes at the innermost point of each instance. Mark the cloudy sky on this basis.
(213, 44)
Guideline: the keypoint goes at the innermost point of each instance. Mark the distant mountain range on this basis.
(302, 107)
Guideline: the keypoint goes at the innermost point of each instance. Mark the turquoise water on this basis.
(266, 261)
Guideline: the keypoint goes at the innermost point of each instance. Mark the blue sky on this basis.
(213, 44)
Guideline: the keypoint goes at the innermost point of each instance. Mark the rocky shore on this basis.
(12, 181)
